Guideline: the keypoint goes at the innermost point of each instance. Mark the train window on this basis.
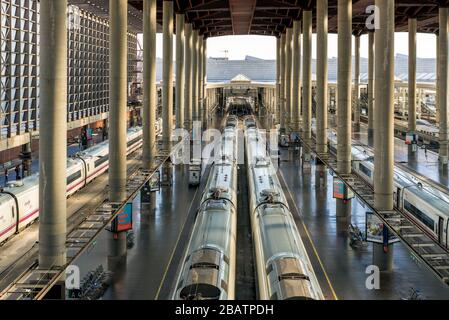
(365, 170)
(100, 161)
(421, 216)
(74, 177)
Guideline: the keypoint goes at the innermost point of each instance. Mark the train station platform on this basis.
(158, 230)
(341, 268)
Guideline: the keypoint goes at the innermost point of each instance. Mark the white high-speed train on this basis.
(429, 208)
(208, 269)
(19, 201)
(284, 271)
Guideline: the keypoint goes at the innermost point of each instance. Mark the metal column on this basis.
(118, 82)
(356, 99)
(322, 77)
(384, 121)
(149, 107)
(188, 76)
(296, 77)
(371, 88)
(167, 75)
(344, 96)
(307, 75)
(180, 70)
(443, 85)
(53, 134)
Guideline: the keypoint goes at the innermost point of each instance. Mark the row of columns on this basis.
(380, 100)
(53, 102)
(190, 102)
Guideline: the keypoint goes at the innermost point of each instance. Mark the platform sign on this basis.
(294, 137)
(89, 134)
(377, 232)
(341, 190)
(124, 220)
(411, 138)
(155, 182)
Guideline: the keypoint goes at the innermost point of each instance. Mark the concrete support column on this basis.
(384, 119)
(288, 77)
(278, 79)
(200, 78)
(344, 130)
(437, 102)
(412, 103)
(118, 81)
(195, 48)
(322, 76)
(371, 88)
(296, 76)
(53, 134)
(442, 88)
(188, 76)
(282, 102)
(204, 85)
(149, 107)
(167, 74)
(356, 99)
(412, 29)
(180, 70)
(307, 75)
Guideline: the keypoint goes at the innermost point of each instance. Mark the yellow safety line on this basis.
(310, 239)
(174, 248)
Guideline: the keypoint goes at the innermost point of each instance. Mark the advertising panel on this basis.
(341, 190)
(377, 232)
(124, 220)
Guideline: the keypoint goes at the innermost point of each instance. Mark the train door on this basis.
(440, 230)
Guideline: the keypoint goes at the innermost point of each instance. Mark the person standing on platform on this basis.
(18, 172)
(6, 176)
(279, 159)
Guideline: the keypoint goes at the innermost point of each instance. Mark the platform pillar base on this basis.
(320, 176)
(383, 260)
(344, 209)
(116, 249)
(371, 137)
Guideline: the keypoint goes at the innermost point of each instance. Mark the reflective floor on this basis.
(157, 235)
(161, 235)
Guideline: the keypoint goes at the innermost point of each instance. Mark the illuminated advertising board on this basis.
(377, 232)
(124, 220)
(411, 138)
(341, 190)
